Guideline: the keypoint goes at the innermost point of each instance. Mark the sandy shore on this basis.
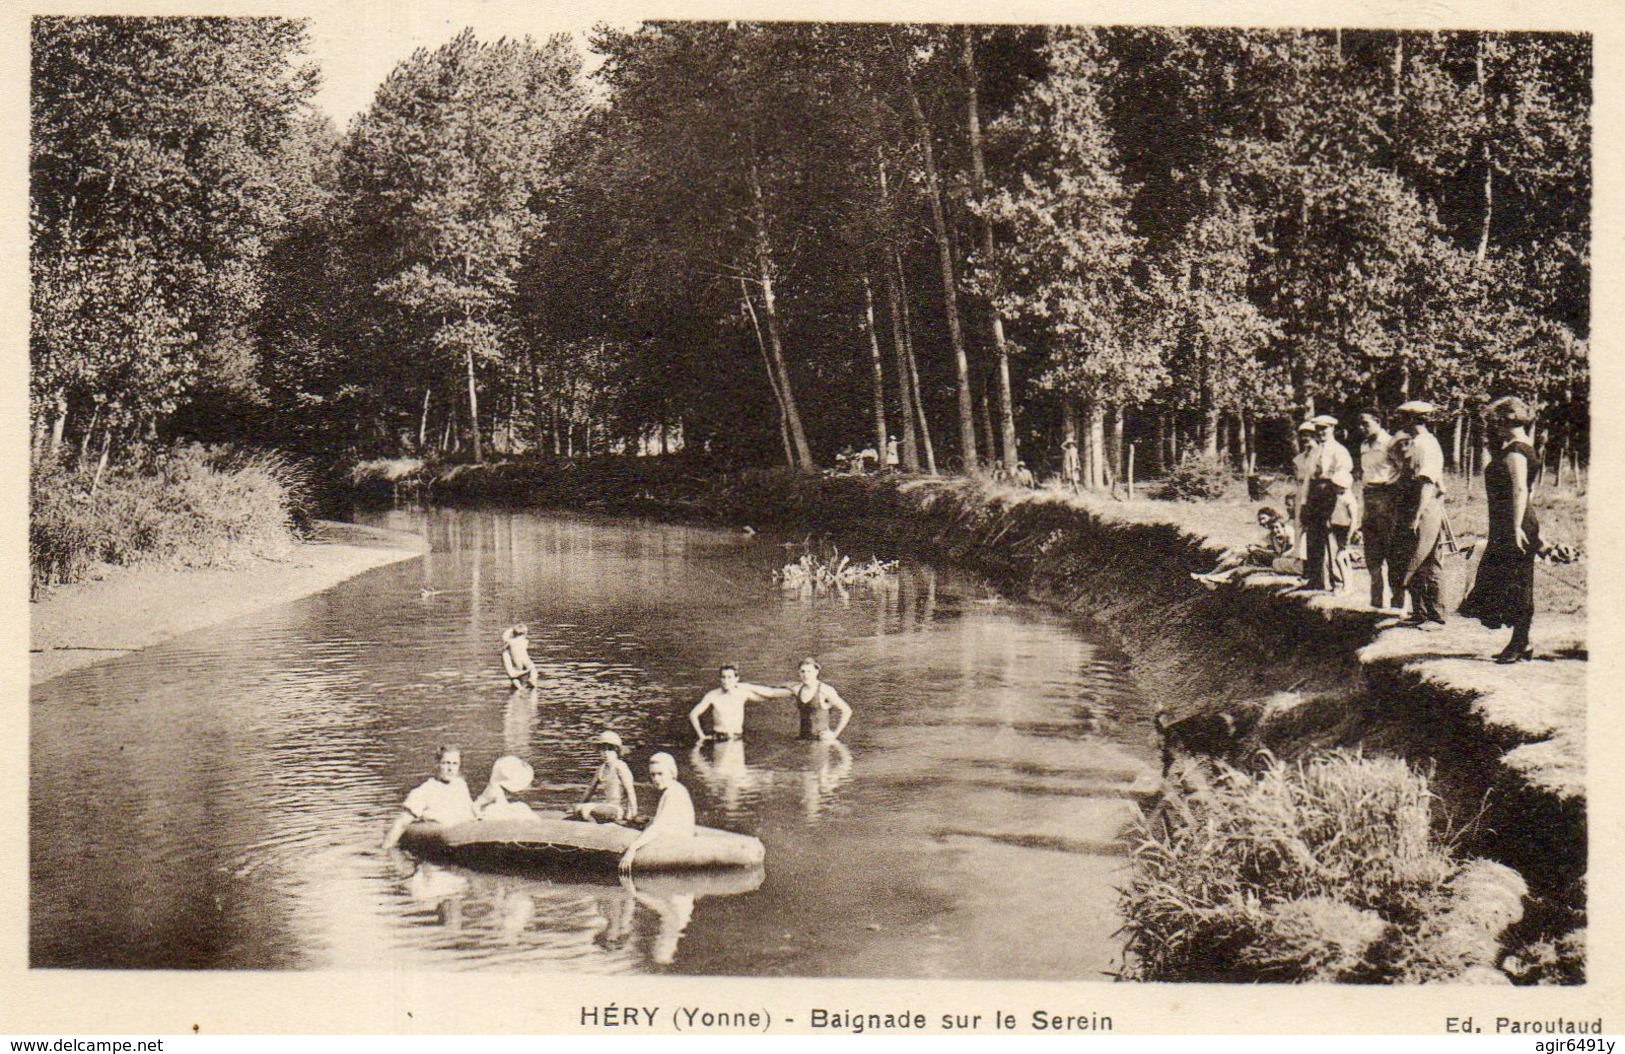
(130, 609)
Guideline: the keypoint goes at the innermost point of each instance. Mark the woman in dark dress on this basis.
(1504, 592)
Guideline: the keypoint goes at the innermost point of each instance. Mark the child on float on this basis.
(674, 816)
(614, 779)
(509, 775)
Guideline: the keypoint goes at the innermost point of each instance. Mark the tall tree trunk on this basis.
(764, 266)
(905, 385)
(473, 409)
(84, 441)
(1071, 463)
(879, 372)
(1114, 463)
(59, 422)
(985, 420)
(423, 421)
(1097, 444)
(1001, 351)
(772, 382)
(928, 447)
(1489, 165)
(101, 464)
(945, 253)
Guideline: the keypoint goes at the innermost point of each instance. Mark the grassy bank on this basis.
(188, 506)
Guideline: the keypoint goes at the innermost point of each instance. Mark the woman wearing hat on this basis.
(1503, 594)
(509, 775)
(614, 780)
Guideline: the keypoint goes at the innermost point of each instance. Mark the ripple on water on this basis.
(218, 801)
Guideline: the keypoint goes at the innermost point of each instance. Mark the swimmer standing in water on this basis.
(727, 705)
(516, 660)
(814, 700)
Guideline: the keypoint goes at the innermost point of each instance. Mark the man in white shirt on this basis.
(1327, 508)
(1422, 513)
(1379, 513)
(1303, 466)
(442, 799)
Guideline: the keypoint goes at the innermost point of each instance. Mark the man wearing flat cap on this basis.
(1421, 513)
(1328, 508)
(1303, 466)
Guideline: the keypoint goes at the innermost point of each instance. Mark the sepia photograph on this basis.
(989, 501)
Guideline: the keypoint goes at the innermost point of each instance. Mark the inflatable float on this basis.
(551, 840)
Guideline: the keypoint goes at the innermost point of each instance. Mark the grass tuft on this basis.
(1322, 870)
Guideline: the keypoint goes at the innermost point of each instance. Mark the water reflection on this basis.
(809, 771)
(993, 756)
(611, 925)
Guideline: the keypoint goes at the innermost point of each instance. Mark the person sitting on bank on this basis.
(516, 660)
(614, 781)
(727, 704)
(1024, 475)
(1278, 540)
(509, 775)
(674, 815)
(814, 700)
(442, 799)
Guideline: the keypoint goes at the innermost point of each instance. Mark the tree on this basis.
(164, 161)
(438, 179)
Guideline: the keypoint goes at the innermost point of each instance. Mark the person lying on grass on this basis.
(1279, 538)
(674, 816)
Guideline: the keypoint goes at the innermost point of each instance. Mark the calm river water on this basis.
(217, 802)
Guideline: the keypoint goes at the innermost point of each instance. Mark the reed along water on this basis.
(217, 802)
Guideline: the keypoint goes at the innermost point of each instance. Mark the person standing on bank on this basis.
(1328, 509)
(1379, 513)
(1503, 594)
(1303, 466)
(1421, 513)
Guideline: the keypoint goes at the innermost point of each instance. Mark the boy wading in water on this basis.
(674, 816)
(516, 658)
(727, 705)
(443, 799)
(614, 780)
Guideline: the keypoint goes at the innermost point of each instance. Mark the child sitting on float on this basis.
(509, 775)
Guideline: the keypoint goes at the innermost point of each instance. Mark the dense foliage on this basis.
(769, 242)
(191, 506)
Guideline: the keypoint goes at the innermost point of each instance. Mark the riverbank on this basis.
(128, 609)
(1262, 664)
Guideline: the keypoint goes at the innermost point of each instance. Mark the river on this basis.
(217, 802)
